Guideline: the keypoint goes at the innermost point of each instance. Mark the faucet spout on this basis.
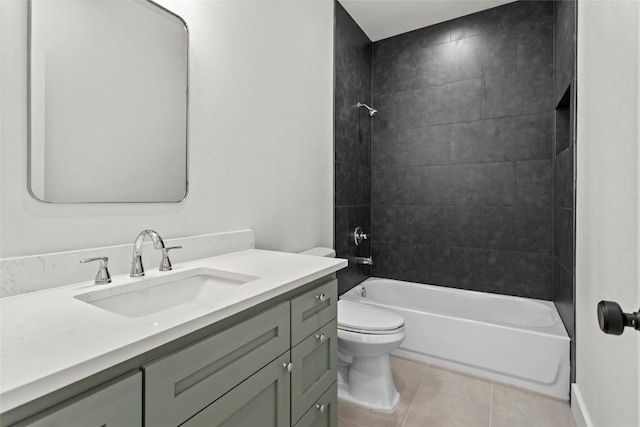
(137, 270)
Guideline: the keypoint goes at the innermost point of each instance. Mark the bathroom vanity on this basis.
(259, 350)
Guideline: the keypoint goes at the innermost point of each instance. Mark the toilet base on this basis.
(343, 394)
(370, 385)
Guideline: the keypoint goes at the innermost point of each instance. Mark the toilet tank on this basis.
(320, 251)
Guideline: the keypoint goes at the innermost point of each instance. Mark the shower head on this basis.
(372, 112)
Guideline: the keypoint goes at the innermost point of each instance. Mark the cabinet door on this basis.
(262, 400)
(313, 310)
(315, 363)
(117, 403)
(323, 413)
(183, 383)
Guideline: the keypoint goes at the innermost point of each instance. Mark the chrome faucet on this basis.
(137, 270)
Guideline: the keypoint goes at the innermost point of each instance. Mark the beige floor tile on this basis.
(434, 409)
(407, 376)
(343, 422)
(512, 406)
(459, 385)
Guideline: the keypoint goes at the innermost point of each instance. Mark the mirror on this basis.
(108, 96)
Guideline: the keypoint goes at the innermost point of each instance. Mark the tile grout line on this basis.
(350, 421)
(460, 397)
(491, 404)
(424, 376)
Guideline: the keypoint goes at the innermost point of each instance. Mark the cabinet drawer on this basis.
(312, 310)
(262, 400)
(315, 363)
(183, 383)
(324, 412)
(117, 403)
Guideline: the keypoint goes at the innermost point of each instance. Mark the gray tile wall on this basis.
(352, 145)
(462, 164)
(564, 165)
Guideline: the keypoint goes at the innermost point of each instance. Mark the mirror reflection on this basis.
(107, 102)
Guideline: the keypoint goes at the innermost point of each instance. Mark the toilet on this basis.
(366, 336)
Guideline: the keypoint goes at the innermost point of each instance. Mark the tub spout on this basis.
(364, 260)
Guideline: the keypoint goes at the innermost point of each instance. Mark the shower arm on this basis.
(372, 111)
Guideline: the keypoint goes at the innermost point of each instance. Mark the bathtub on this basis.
(513, 340)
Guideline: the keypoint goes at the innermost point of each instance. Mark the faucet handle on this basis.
(103, 277)
(165, 264)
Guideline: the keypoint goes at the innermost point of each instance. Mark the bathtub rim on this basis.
(557, 330)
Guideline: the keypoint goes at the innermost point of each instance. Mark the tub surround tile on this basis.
(484, 192)
(563, 296)
(563, 236)
(443, 104)
(411, 147)
(502, 139)
(534, 182)
(383, 223)
(341, 228)
(564, 40)
(35, 273)
(564, 163)
(509, 273)
(399, 186)
(517, 228)
(352, 145)
(438, 225)
(563, 179)
(472, 184)
(511, 93)
(533, 39)
(354, 273)
(414, 263)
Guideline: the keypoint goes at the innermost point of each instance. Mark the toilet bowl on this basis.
(366, 336)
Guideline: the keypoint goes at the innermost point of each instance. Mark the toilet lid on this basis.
(357, 316)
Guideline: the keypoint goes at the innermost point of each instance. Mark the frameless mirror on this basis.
(107, 102)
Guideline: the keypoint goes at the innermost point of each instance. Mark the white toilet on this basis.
(366, 336)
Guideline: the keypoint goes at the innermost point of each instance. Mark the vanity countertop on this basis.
(49, 339)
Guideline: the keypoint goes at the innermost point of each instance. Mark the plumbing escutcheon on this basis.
(359, 235)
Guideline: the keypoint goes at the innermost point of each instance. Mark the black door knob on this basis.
(612, 319)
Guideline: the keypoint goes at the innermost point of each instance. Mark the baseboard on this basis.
(579, 410)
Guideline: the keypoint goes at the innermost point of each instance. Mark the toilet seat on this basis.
(365, 319)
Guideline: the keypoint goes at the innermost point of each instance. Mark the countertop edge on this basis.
(30, 391)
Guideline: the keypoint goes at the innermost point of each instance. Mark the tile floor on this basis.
(432, 396)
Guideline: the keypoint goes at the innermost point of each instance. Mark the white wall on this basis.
(260, 148)
(607, 383)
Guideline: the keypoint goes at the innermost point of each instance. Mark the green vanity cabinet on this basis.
(273, 365)
(262, 400)
(312, 310)
(118, 403)
(324, 412)
(183, 383)
(315, 362)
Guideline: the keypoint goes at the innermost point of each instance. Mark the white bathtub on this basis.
(514, 340)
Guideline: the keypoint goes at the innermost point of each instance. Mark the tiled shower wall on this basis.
(352, 145)
(462, 191)
(564, 166)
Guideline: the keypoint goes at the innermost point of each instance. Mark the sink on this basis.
(140, 297)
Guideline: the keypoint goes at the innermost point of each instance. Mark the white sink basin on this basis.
(140, 297)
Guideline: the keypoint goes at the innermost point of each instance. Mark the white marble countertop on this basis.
(49, 339)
